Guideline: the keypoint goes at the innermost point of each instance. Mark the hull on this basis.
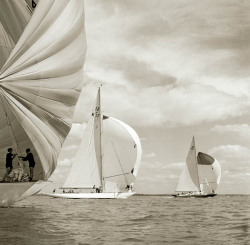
(116, 195)
(11, 193)
(195, 195)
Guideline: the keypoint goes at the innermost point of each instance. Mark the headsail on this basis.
(41, 79)
(209, 172)
(189, 179)
(121, 154)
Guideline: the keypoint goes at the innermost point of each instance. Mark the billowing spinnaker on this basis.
(14, 16)
(121, 149)
(209, 172)
(189, 180)
(41, 81)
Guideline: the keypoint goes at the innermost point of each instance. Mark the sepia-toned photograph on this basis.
(124, 122)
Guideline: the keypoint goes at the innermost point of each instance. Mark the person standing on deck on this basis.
(8, 165)
(31, 161)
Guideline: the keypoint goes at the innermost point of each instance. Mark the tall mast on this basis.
(197, 165)
(100, 121)
(98, 134)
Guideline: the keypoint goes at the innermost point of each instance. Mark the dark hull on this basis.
(195, 196)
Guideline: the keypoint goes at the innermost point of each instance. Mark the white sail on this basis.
(85, 170)
(189, 179)
(121, 154)
(209, 173)
(40, 77)
(108, 157)
(14, 16)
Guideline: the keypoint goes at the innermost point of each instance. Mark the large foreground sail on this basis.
(40, 77)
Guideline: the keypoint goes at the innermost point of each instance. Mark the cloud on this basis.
(172, 65)
(139, 73)
(241, 130)
(158, 177)
(234, 160)
(77, 130)
(231, 152)
(149, 155)
(169, 63)
(65, 162)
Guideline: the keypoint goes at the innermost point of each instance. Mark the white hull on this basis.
(11, 193)
(116, 195)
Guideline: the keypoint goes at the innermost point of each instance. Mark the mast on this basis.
(98, 134)
(197, 166)
(100, 121)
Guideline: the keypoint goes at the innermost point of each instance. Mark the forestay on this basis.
(41, 60)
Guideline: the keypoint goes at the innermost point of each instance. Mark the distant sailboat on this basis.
(200, 176)
(42, 52)
(107, 161)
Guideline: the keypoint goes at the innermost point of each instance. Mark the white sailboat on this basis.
(200, 176)
(107, 161)
(42, 52)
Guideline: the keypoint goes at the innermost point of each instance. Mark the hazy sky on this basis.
(171, 70)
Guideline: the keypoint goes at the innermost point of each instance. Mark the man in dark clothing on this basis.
(8, 165)
(31, 161)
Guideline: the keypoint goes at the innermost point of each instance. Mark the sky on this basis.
(170, 69)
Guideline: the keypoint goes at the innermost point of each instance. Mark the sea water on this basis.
(137, 220)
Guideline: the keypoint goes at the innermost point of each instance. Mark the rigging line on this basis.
(115, 175)
(2, 46)
(35, 93)
(90, 143)
(93, 149)
(119, 163)
(37, 108)
(12, 135)
(208, 185)
(208, 182)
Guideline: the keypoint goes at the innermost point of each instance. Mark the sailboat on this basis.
(42, 52)
(107, 161)
(201, 175)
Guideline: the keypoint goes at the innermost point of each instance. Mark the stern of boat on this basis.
(11, 193)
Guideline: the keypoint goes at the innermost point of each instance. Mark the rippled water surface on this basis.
(137, 220)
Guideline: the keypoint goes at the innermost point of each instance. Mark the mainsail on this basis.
(41, 60)
(108, 157)
(85, 171)
(189, 179)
